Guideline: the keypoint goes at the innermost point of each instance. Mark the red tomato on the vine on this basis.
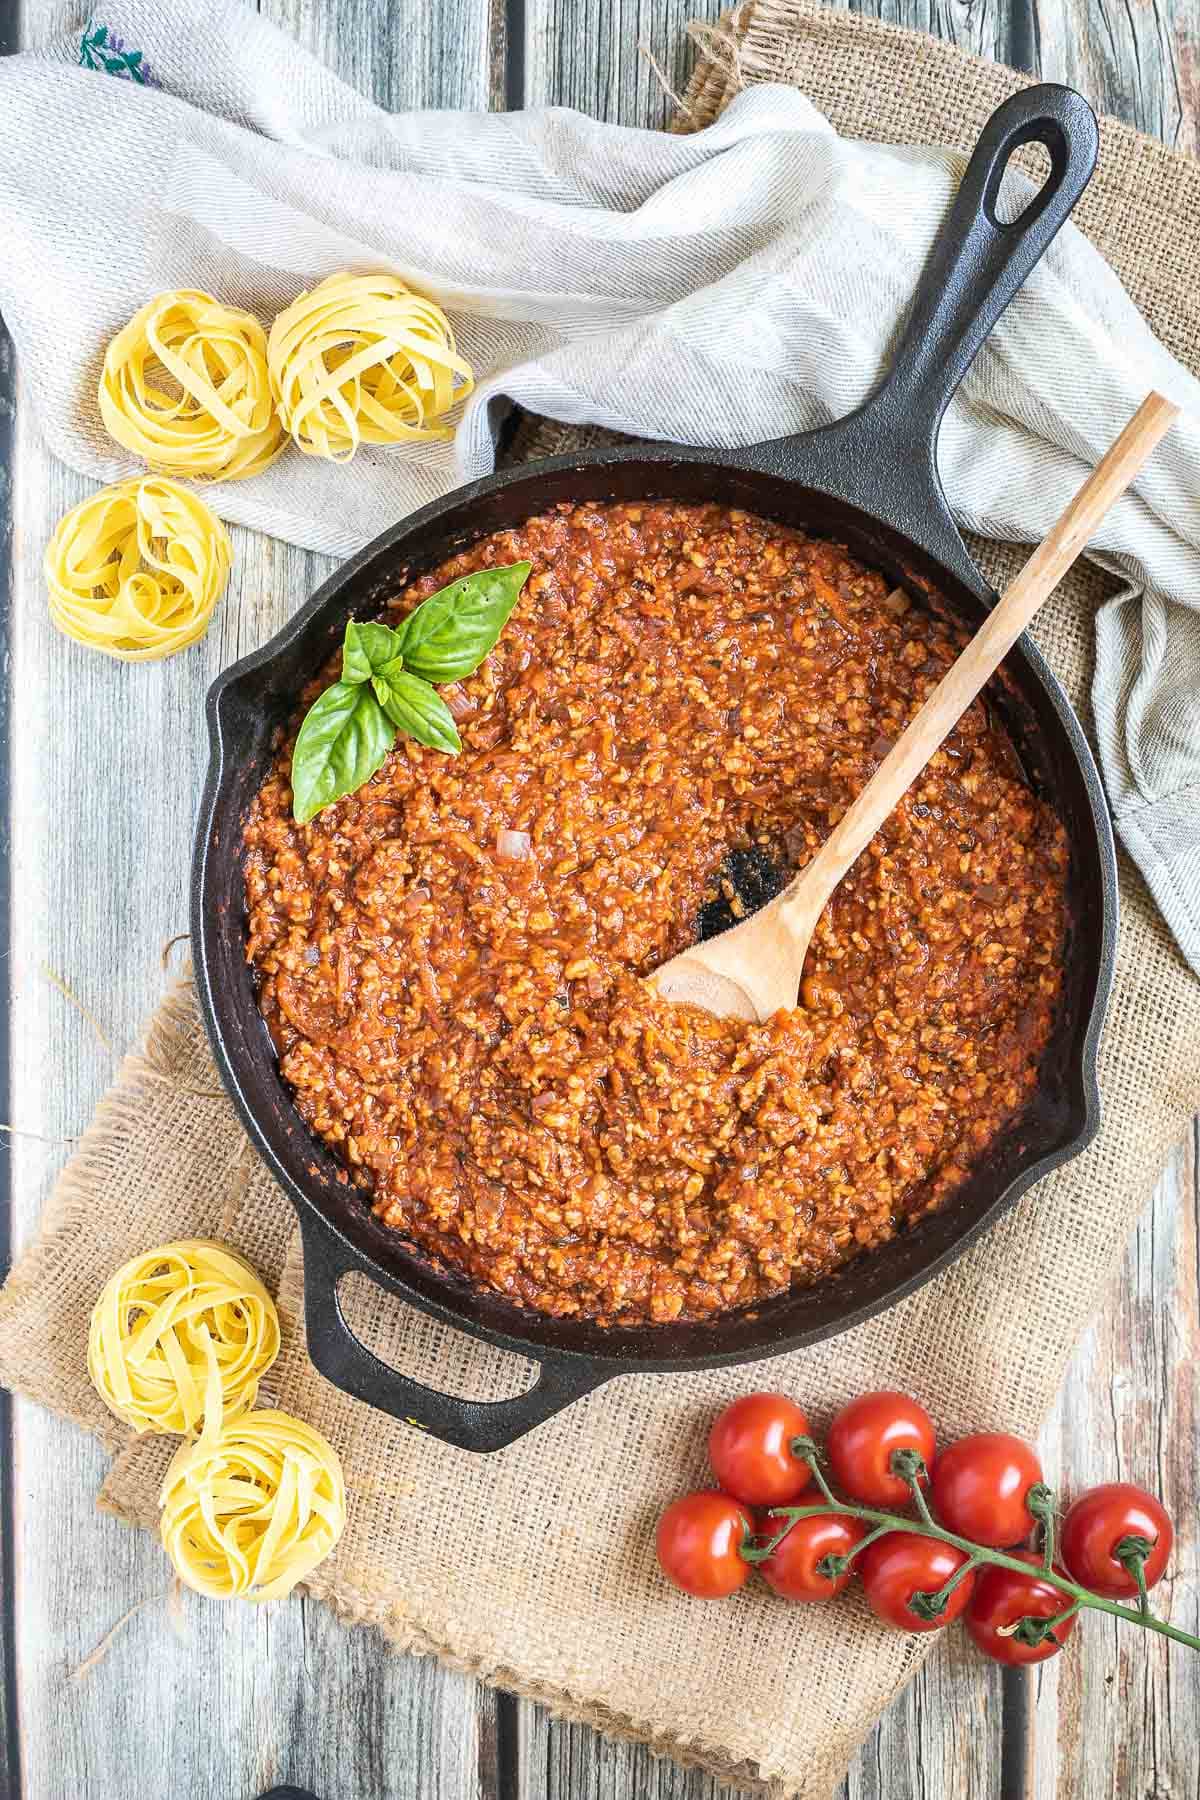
(1102, 1519)
(1002, 1598)
(792, 1568)
(902, 1564)
(699, 1543)
(864, 1436)
(750, 1449)
(979, 1488)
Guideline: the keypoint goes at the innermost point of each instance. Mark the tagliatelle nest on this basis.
(136, 570)
(252, 1509)
(361, 358)
(181, 1336)
(185, 386)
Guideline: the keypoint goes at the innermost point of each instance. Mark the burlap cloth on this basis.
(533, 1568)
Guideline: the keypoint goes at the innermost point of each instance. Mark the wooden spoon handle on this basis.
(804, 899)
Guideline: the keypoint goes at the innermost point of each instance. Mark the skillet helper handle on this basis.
(479, 1425)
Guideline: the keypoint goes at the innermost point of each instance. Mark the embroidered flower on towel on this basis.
(100, 48)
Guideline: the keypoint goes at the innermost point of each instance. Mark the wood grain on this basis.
(1140, 61)
(1115, 1717)
(593, 55)
(983, 28)
(251, 1697)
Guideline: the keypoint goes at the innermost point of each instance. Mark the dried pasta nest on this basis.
(250, 1510)
(181, 1336)
(185, 386)
(364, 359)
(136, 569)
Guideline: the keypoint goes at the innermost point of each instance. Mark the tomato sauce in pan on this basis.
(450, 960)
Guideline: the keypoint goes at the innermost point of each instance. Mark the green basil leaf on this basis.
(343, 740)
(366, 649)
(392, 669)
(413, 705)
(447, 636)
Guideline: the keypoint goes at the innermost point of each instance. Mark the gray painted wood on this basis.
(244, 1698)
(1117, 1715)
(980, 26)
(591, 54)
(1140, 62)
(249, 1697)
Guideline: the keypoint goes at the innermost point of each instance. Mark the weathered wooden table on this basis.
(238, 1699)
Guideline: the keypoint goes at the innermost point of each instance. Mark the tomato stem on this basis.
(1081, 1596)
(1062, 1617)
(1039, 1502)
(932, 1606)
(848, 1558)
(919, 1500)
(805, 1449)
(1131, 1553)
(754, 1551)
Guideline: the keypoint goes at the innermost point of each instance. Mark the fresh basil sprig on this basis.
(447, 636)
(385, 686)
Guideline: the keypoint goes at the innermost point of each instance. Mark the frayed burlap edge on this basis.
(71, 1211)
(169, 1076)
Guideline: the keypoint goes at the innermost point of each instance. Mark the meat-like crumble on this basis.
(450, 960)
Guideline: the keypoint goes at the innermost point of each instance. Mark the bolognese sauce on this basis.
(451, 960)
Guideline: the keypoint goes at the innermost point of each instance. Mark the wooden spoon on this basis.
(754, 969)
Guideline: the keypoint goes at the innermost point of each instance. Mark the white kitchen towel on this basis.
(713, 289)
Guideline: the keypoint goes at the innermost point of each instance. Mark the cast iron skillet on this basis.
(871, 482)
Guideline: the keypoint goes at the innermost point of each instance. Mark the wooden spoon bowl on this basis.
(753, 970)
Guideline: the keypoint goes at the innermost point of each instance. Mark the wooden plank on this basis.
(1111, 1712)
(1139, 62)
(591, 54)
(1107, 1715)
(559, 1759)
(108, 762)
(984, 29)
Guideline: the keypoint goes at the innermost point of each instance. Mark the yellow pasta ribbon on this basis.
(362, 358)
(136, 570)
(185, 386)
(250, 1510)
(181, 1336)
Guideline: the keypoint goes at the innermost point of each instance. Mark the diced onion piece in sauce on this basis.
(514, 846)
(458, 703)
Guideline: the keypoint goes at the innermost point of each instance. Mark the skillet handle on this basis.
(480, 1425)
(975, 267)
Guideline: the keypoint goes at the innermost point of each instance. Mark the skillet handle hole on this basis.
(1007, 202)
(427, 1351)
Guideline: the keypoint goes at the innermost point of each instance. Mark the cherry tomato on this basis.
(1098, 1521)
(904, 1563)
(862, 1439)
(979, 1488)
(792, 1569)
(699, 1544)
(750, 1449)
(1001, 1598)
